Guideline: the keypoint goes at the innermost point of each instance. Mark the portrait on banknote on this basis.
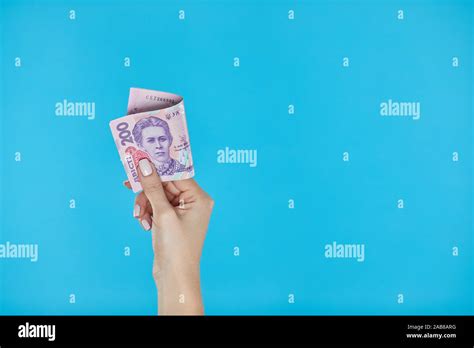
(153, 135)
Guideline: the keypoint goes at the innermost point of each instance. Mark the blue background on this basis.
(282, 62)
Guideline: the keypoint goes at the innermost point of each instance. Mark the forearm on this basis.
(179, 291)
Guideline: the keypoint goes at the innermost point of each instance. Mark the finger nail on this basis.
(145, 224)
(136, 210)
(145, 167)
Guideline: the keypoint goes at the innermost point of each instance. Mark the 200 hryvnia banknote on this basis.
(154, 128)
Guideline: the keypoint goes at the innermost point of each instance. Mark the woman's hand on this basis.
(178, 214)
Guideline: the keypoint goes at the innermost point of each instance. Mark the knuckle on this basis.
(208, 201)
(211, 203)
(141, 199)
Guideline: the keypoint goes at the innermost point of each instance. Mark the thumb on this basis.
(153, 187)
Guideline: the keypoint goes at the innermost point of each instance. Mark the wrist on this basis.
(180, 274)
(179, 290)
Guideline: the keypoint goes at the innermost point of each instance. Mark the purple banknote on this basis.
(155, 128)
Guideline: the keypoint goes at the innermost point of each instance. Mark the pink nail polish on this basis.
(145, 224)
(136, 210)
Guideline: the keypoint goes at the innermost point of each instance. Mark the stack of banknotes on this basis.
(154, 128)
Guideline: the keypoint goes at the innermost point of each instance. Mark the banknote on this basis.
(141, 100)
(154, 128)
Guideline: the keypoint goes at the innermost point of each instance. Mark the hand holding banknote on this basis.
(154, 147)
(179, 213)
